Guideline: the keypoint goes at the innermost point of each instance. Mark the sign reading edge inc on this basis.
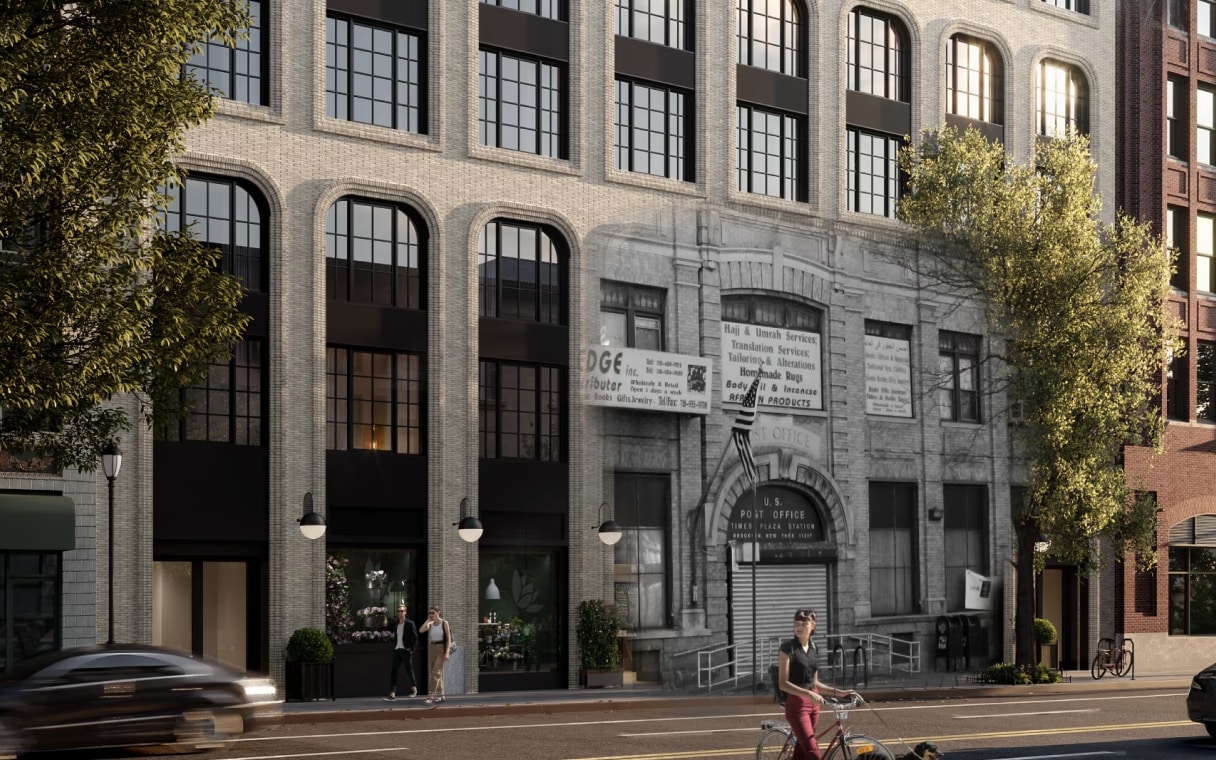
(633, 378)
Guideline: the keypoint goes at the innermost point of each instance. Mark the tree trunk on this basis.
(1023, 623)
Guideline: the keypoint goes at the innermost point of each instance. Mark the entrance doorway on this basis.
(209, 608)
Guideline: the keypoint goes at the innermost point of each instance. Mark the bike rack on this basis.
(860, 654)
(837, 662)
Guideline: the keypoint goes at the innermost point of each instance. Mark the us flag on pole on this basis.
(740, 432)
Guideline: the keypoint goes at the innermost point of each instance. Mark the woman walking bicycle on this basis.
(798, 677)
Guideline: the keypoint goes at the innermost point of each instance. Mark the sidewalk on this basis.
(931, 685)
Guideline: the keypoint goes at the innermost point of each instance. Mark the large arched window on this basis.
(770, 36)
(374, 254)
(226, 214)
(877, 55)
(1061, 98)
(974, 79)
(521, 273)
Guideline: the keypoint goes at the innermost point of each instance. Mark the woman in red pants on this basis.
(799, 679)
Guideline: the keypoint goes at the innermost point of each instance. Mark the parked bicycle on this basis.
(1111, 659)
(777, 741)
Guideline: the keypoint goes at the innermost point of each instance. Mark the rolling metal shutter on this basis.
(780, 590)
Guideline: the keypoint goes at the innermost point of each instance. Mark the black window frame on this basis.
(1177, 395)
(965, 530)
(893, 508)
(1204, 258)
(1077, 95)
(561, 12)
(491, 391)
(220, 397)
(1205, 381)
(1076, 6)
(792, 128)
(236, 57)
(251, 268)
(634, 302)
(407, 287)
(895, 73)
(341, 105)
(1177, 14)
(679, 14)
(678, 132)
(991, 73)
(1177, 95)
(556, 312)
(642, 502)
(792, 56)
(10, 638)
(953, 347)
(1177, 235)
(1188, 564)
(893, 179)
(550, 143)
(347, 427)
(748, 309)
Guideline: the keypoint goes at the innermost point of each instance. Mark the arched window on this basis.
(226, 214)
(974, 80)
(521, 273)
(1061, 98)
(878, 55)
(374, 254)
(1192, 557)
(770, 36)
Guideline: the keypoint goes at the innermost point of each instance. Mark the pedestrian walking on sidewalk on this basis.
(405, 639)
(798, 677)
(439, 648)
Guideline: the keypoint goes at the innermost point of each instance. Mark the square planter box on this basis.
(594, 679)
(308, 681)
(361, 670)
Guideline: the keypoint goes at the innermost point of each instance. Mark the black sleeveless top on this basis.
(803, 665)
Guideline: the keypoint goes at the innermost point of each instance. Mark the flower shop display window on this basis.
(364, 587)
(520, 616)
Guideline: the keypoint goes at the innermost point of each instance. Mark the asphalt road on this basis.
(1142, 725)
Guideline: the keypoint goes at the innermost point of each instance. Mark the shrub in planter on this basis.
(1044, 632)
(309, 674)
(1008, 673)
(309, 645)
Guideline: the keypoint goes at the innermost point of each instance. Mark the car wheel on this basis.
(204, 728)
(12, 743)
(1211, 727)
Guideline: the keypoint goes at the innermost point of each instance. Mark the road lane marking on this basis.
(1020, 714)
(1099, 753)
(323, 754)
(698, 731)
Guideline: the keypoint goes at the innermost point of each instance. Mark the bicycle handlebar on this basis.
(837, 704)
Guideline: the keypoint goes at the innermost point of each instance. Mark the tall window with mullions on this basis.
(227, 215)
(238, 71)
(375, 74)
(375, 253)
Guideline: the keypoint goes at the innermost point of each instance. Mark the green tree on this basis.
(1076, 313)
(95, 300)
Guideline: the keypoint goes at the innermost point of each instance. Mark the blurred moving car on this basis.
(1201, 699)
(128, 695)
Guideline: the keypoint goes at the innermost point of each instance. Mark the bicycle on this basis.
(777, 741)
(1110, 659)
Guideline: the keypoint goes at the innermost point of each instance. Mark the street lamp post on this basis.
(111, 463)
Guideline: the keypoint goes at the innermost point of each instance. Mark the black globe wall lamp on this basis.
(469, 527)
(610, 531)
(312, 524)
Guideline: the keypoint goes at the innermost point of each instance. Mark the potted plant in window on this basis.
(599, 652)
(309, 674)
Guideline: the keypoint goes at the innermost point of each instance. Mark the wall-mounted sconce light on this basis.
(1042, 545)
(469, 527)
(312, 524)
(935, 513)
(610, 531)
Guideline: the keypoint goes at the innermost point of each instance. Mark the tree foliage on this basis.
(95, 300)
(1079, 310)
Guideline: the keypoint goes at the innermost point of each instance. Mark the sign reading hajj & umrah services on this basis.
(633, 378)
(788, 362)
(888, 377)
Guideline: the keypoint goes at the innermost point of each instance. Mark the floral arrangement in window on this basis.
(372, 636)
(374, 618)
(503, 653)
(338, 621)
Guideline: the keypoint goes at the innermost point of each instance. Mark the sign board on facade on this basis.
(632, 378)
(782, 522)
(888, 377)
(788, 361)
(978, 595)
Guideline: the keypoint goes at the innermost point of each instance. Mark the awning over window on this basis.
(37, 522)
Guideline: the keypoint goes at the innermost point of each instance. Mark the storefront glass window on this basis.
(30, 586)
(520, 615)
(377, 581)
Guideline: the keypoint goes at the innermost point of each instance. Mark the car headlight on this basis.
(257, 688)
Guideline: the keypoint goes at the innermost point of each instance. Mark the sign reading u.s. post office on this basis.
(788, 362)
(632, 378)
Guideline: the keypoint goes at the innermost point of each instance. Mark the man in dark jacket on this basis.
(405, 638)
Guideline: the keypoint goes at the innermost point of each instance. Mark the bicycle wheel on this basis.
(860, 747)
(1124, 663)
(775, 744)
(1098, 668)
